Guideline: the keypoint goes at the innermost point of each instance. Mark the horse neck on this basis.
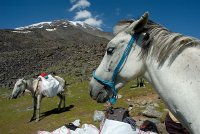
(177, 84)
(184, 69)
(30, 85)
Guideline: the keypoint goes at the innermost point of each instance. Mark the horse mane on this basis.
(121, 26)
(20, 79)
(163, 43)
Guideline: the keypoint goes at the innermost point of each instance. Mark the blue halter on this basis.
(111, 84)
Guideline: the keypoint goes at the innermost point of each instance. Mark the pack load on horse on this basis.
(169, 61)
(50, 86)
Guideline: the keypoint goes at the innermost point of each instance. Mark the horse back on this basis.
(60, 80)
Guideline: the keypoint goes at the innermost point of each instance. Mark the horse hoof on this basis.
(36, 120)
(32, 119)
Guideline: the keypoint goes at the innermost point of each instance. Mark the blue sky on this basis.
(181, 16)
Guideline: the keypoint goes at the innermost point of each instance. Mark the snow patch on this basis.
(84, 25)
(36, 25)
(50, 30)
(76, 23)
(24, 32)
(65, 23)
(58, 23)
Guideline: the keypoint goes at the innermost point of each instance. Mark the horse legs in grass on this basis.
(39, 98)
(34, 108)
(62, 98)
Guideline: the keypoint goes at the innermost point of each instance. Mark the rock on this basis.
(144, 102)
(155, 105)
(150, 102)
(151, 112)
(154, 120)
(119, 96)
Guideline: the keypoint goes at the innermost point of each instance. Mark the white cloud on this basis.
(72, 1)
(84, 14)
(93, 22)
(80, 4)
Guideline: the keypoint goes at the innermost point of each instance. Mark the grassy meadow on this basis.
(15, 114)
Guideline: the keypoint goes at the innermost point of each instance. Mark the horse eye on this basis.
(110, 50)
(146, 36)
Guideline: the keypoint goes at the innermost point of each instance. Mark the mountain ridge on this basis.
(52, 25)
(70, 50)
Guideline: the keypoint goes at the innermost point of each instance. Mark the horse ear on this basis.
(138, 25)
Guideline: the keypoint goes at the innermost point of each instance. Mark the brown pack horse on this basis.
(34, 86)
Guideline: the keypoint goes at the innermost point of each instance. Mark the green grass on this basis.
(14, 116)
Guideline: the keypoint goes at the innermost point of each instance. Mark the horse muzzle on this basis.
(12, 97)
(101, 95)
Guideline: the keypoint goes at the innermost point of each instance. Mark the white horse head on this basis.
(132, 65)
(169, 61)
(115, 50)
(19, 88)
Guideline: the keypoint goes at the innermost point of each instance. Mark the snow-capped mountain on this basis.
(61, 23)
(64, 24)
(36, 25)
(67, 46)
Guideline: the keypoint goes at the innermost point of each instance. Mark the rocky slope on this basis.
(60, 46)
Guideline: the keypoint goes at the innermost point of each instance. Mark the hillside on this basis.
(72, 50)
(59, 46)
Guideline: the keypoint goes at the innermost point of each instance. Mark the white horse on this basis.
(34, 86)
(169, 61)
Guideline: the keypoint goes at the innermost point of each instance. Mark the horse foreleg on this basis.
(39, 98)
(63, 100)
(34, 108)
(60, 102)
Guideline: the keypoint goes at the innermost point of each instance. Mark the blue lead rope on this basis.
(111, 84)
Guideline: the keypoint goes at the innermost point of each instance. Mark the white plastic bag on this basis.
(61, 130)
(76, 122)
(50, 86)
(116, 127)
(98, 115)
(85, 129)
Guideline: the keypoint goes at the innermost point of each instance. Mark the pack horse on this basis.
(169, 61)
(37, 92)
